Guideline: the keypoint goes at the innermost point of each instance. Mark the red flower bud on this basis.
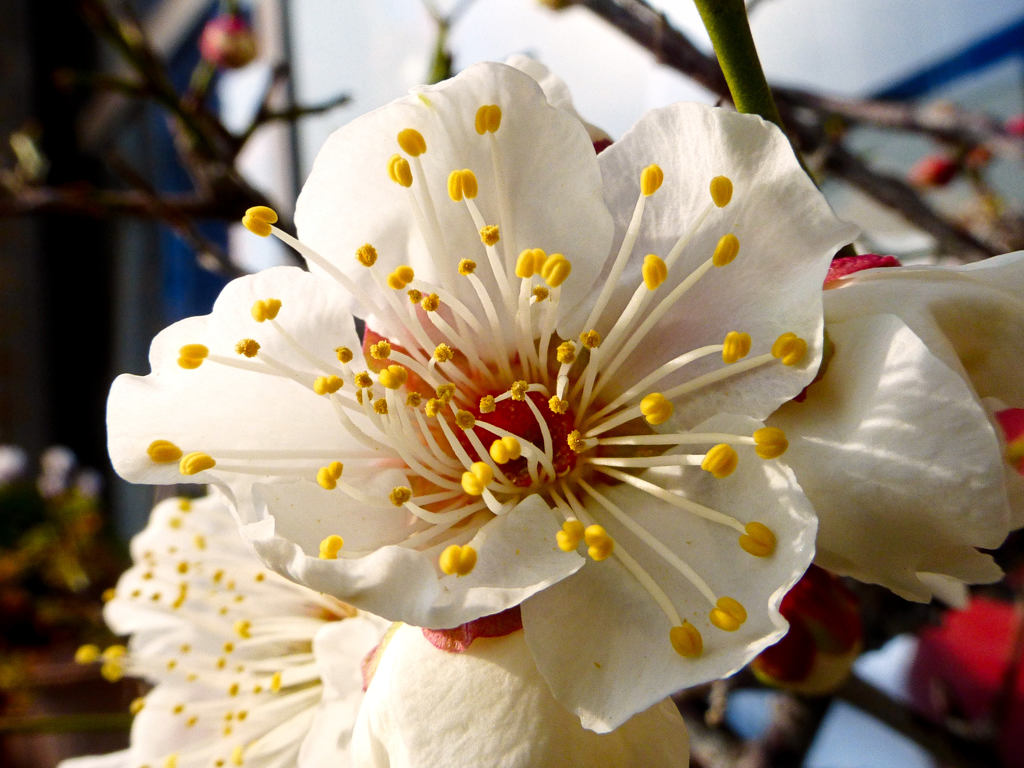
(824, 638)
(932, 171)
(227, 42)
(843, 266)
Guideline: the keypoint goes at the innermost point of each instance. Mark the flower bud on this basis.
(227, 42)
(824, 638)
(932, 171)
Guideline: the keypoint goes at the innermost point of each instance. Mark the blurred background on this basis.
(137, 133)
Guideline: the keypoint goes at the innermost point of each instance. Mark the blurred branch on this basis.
(206, 148)
(811, 118)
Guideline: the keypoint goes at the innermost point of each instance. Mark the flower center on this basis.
(518, 418)
(479, 402)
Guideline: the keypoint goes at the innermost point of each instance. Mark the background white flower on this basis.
(228, 645)
(489, 706)
(894, 445)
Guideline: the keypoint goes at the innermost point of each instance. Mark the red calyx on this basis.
(458, 639)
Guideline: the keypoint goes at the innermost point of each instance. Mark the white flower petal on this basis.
(787, 236)
(489, 706)
(971, 317)
(899, 460)
(217, 408)
(622, 660)
(340, 649)
(546, 192)
(516, 557)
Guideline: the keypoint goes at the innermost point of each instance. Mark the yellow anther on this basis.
(327, 385)
(413, 399)
(411, 141)
(243, 628)
(433, 407)
(570, 536)
(344, 354)
(771, 442)
(487, 404)
(87, 654)
(457, 560)
(726, 250)
(366, 255)
(789, 349)
(331, 546)
(651, 178)
(576, 441)
(477, 478)
(195, 462)
(467, 267)
(538, 294)
(443, 353)
(247, 347)
(555, 270)
(445, 392)
(163, 452)
(758, 539)
(728, 614)
(401, 277)
(393, 376)
(590, 339)
(275, 682)
(108, 594)
(114, 652)
(566, 353)
(465, 420)
(327, 477)
(238, 756)
(488, 119)
(721, 190)
(171, 761)
(599, 543)
(530, 262)
(505, 449)
(720, 461)
(656, 408)
(557, 404)
(381, 350)
(399, 171)
(191, 356)
(654, 270)
(414, 296)
(258, 220)
(489, 235)
(380, 406)
(265, 309)
(518, 390)
(363, 380)
(686, 640)
(112, 671)
(462, 184)
(399, 495)
(430, 302)
(735, 346)
(137, 705)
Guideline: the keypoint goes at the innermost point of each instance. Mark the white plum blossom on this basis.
(229, 648)
(894, 445)
(490, 706)
(556, 402)
(250, 669)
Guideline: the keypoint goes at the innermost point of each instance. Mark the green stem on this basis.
(727, 25)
